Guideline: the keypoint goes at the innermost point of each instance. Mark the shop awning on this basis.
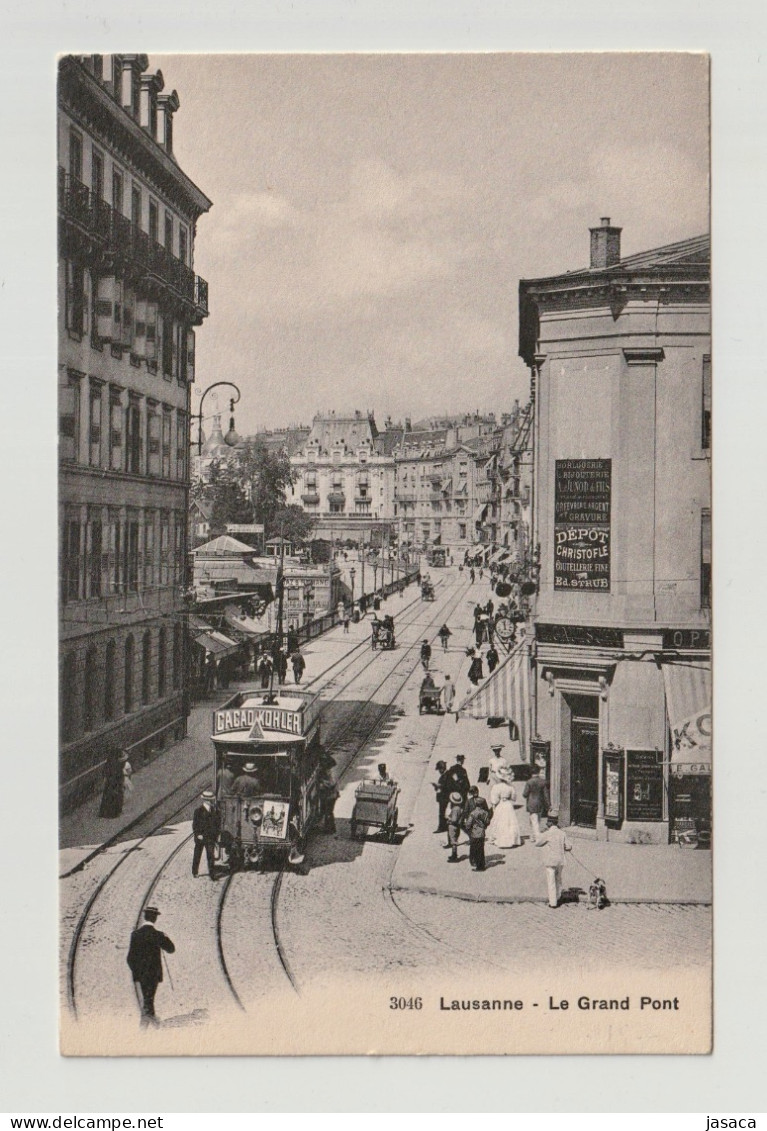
(505, 695)
(688, 704)
(480, 512)
(216, 643)
(498, 556)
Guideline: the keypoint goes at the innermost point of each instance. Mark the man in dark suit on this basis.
(145, 961)
(536, 793)
(205, 831)
(458, 779)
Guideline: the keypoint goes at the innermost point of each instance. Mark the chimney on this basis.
(167, 105)
(151, 85)
(605, 244)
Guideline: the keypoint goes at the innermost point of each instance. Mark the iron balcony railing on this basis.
(126, 240)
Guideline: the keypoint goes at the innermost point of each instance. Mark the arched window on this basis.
(109, 680)
(177, 655)
(161, 661)
(68, 698)
(90, 707)
(128, 697)
(146, 666)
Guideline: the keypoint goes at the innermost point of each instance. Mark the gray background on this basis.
(34, 1077)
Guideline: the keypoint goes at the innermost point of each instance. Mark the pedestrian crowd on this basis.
(461, 809)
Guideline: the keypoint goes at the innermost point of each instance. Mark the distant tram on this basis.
(267, 767)
(437, 556)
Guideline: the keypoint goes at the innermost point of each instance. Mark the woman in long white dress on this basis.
(497, 766)
(503, 830)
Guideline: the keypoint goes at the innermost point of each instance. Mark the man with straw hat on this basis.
(247, 784)
(554, 844)
(205, 831)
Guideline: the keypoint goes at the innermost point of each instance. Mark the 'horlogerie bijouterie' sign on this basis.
(582, 524)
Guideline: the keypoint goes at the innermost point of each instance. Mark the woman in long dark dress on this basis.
(112, 797)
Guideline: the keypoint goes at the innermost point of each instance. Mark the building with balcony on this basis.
(620, 357)
(345, 478)
(129, 305)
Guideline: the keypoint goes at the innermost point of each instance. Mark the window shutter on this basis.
(139, 328)
(67, 421)
(151, 331)
(105, 305)
(175, 355)
(190, 356)
(126, 337)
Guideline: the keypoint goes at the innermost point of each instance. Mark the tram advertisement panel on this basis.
(582, 524)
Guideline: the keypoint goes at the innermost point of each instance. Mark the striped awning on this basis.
(688, 703)
(505, 695)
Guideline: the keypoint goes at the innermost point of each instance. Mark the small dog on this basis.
(597, 895)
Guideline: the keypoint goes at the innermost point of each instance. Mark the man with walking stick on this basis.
(145, 962)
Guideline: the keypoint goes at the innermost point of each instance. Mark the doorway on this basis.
(584, 738)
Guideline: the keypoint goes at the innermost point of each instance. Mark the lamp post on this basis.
(231, 438)
(352, 575)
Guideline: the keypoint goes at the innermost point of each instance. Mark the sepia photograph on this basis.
(385, 553)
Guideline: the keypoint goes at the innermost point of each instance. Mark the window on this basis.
(177, 655)
(182, 243)
(90, 707)
(130, 554)
(135, 206)
(95, 551)
(149, 549)
(128, 675)
(152, 440)
(705, 440)
(164, 548)
(178, 554)
(166, 423)
(69, 418)
(75, 156)
(161, 662)
(74, 299)
(133, 442)
(94, 420)
(167, 347)
(68, 698)
(97, 174)
(461, 529)
(109, 680)
(181, 445)
(153, 221)
(114, 560)
(115, 430)
(168, 232)
(72, 563)
(117, 190)
(146, 667)
(705, 559)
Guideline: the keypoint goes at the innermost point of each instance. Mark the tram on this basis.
(268, 767)
(437, 556)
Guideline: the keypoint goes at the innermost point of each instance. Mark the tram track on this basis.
(360, 741)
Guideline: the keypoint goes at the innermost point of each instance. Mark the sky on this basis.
(373, 214)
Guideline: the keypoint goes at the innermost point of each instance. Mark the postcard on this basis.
(385, 432)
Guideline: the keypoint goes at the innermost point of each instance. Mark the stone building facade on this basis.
(129, 304)
(620, 356)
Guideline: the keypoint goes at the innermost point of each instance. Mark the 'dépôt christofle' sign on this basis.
(582, 524)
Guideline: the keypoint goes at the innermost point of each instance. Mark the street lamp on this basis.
(231, 438)
(352, 575)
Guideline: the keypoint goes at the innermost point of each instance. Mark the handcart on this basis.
(427, 591)
(375, 803)
(430, 700)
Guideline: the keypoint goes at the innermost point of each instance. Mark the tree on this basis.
(294, 523)
(264, 477)
(228, 500)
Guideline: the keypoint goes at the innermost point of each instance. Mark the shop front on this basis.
(624, 728)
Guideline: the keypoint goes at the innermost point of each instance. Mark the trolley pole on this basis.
(277, 649)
